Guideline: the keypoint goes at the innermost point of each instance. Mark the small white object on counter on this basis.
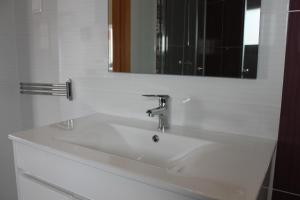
(185, 163)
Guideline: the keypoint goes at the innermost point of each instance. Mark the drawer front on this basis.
(83, 180)
(30, 189)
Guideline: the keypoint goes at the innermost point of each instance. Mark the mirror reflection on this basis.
(185, 37)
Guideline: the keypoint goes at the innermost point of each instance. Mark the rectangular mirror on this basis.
(217, 38)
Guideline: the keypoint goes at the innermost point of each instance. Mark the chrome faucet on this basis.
(161, 111)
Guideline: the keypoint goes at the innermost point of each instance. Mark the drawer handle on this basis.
(52, 186)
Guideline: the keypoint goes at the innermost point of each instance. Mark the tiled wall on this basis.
(8, 99)
(287, 174)
(69, 39)
(38, 59)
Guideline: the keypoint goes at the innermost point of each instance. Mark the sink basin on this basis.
(137, 144)
(196, 163)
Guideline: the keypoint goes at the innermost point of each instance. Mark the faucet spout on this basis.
(157, 111)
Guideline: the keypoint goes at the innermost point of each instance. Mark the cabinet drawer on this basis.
(30, 189)
(83, 180)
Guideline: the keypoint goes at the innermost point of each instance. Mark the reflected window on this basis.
(252, 23)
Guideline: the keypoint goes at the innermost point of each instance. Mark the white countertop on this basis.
(233, 168)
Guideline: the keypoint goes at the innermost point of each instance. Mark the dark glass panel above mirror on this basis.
(217, 38)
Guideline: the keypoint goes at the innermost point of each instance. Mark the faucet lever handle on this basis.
(163, 96)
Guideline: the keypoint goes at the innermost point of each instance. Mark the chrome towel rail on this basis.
(50, 89)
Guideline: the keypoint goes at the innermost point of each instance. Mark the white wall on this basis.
(38, 58)
(9, 119)
(69, 39)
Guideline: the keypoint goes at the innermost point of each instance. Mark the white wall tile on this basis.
(69, 39)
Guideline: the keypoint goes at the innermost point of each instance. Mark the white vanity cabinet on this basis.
(102, 157)
(43, 175)
(31, 189)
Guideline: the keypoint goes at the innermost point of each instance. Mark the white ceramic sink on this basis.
(137, 144)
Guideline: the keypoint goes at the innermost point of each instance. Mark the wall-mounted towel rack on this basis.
(64, 89)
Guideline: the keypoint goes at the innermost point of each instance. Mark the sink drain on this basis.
(155, 138)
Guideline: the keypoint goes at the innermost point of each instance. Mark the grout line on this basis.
(282, 191)
(294, 11)
(290, 193)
